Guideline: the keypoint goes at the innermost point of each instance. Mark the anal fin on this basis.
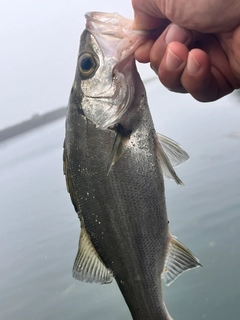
(179, 259)
(88, 266)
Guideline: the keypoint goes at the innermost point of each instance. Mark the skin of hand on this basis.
(199, 52)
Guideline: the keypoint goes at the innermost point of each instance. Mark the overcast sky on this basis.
(39, 46)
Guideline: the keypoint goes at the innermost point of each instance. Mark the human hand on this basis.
(207, 65)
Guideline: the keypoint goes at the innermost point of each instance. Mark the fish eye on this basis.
(87, 65)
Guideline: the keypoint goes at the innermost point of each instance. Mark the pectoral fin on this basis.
(118, 146)
(88, 266)
(115, 152)
(179, 259)
(169, 154)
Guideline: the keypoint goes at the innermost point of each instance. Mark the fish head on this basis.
(105, 67)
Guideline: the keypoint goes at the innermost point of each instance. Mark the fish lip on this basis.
(114, 22)
(110, 22)
(113, 25)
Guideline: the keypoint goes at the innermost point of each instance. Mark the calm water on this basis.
(39, 229)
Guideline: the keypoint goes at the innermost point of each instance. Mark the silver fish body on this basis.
(114, 173)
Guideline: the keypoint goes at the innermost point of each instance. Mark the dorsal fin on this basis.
(88, 266)
(169, 153)
(173, 150)
(179, 259)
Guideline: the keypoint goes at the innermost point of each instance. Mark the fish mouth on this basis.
(108, 23)
(113, 29)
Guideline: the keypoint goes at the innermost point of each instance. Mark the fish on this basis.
(114, 164)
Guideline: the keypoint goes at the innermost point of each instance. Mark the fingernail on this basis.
(173, 62)
(192, 64)
(176, 33)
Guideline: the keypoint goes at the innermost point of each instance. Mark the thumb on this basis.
(147, 15)
(230, 42)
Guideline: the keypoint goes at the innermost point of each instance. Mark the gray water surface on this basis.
(39, 229)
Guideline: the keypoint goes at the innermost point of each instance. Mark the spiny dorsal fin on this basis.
(88, 266)
(179, 259)
(164, 160)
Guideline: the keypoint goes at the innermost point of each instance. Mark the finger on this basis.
(172, 33)
(202, 80)
(142, 53)
(200, 16)
(172, 66)
(230, 42)
(143, 21)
